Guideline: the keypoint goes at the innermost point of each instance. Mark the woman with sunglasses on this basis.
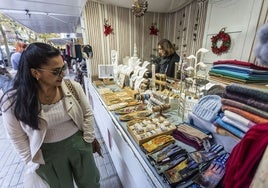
(50, 129)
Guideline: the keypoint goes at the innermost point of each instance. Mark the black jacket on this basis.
(166, 65)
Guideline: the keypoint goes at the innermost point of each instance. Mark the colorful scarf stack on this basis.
(238, 72)
(243, 107)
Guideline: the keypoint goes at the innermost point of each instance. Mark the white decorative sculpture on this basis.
(135, 54)
(114, 61)
(114, 57)
(196, 65)
(125, 60)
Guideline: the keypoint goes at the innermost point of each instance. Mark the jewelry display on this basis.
(121, 80)
(153, 77)
(134, 115)
(142, 71)
(191, 82)
(195, 67)
(143, 130)
(160, 81)
(117, 106)
(130, 109)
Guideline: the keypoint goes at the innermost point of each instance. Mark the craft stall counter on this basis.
(133, 168)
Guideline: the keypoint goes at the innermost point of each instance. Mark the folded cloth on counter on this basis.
(224, 132)
(160, 168)
(181, 137)
(249, 101)
(204, 156)
(245, 107)
(181, 172)
(216, 90)
(211, 177)
(236, 124)
(166, 154)
(240, 63)
(252, 117)
(230, 128)
(245, 157)
(191, 136)
(228, 141)
(225, 79)
(249, 92)
(157, 143)
(242, 69)
(208, 107)
(240, 75)
(236, 117)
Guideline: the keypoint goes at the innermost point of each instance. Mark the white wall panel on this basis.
(240, 18)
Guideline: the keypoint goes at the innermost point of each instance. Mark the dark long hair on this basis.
(167, 47)
(25, 95)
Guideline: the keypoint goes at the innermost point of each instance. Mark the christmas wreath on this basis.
(221, 42)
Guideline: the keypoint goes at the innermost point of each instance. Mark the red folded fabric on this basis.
(245, 157)
(240, 63)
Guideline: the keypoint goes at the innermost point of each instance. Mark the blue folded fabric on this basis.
(208, 107)
(230, 128)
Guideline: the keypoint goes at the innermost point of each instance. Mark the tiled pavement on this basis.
(11, 167)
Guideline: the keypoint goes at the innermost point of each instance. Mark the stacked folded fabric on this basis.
(205, 115)
(243, 107)
(238, 72)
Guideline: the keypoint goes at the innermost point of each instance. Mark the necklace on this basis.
(49, 99)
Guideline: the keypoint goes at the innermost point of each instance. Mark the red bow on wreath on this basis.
(221, 42)
(107, 28)
(153, 29)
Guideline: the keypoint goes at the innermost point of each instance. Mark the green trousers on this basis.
(67, 161)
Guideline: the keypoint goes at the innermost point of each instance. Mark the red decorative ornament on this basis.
(107, 28)
(153, 30)
(221, 42)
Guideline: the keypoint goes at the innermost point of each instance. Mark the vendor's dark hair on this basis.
(167, 47)
(25, 96)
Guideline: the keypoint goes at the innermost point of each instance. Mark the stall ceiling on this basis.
(153, 5)
(63, 16)
(45, 16)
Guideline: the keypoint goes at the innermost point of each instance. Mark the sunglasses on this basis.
(57, 71)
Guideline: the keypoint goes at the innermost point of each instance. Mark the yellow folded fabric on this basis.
(157, 143)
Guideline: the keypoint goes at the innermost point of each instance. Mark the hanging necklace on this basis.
(49, 99)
